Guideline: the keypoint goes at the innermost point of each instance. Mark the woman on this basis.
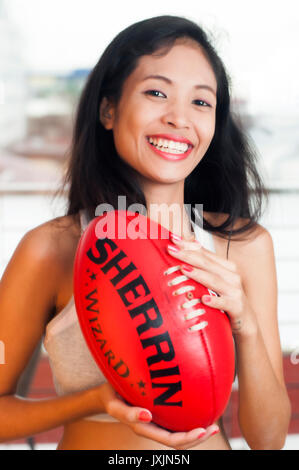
(158, 83)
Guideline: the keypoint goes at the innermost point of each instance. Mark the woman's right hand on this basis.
(139, 420)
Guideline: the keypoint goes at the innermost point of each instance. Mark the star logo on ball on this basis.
(141, 384)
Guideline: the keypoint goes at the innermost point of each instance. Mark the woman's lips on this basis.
(170, 156)
(174, 137)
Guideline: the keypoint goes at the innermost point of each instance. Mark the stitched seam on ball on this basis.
(212, 372)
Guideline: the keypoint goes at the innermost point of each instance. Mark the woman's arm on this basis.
(27, 296)
(264, 406)
(248, 293)
(24, 417)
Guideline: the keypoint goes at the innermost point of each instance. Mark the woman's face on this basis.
(165, 119)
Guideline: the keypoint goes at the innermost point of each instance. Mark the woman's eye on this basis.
(159, 94)
(155, 93)
(202, 103)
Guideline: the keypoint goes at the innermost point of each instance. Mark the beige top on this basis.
(72, 364)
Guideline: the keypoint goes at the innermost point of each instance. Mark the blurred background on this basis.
(47, 49)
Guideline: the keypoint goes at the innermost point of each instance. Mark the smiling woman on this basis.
(169, 81)
(154, 124)
(169, 99)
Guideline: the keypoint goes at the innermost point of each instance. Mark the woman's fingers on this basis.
(139, 420)
(187, 440)
(117, 408)
(206, 254)
(175, 440)
(128, 414)
(208, 279)
(205, 266)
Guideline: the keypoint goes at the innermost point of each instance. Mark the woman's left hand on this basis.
(221, 276)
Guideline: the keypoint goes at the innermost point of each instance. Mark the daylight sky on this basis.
(257, 39)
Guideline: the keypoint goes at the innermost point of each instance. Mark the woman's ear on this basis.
(107, 113)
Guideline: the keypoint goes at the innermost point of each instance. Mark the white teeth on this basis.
(169, 145)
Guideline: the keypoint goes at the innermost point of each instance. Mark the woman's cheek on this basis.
(207, 131)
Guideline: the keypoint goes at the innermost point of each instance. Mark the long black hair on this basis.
(225, 181)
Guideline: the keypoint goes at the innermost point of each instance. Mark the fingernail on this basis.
(187, 268)
(206, 298)
(173, 248)
(144, 416)
(201, 434)
(175, 238)
(215, 432)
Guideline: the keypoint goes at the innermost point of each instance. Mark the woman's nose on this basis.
(176, 116)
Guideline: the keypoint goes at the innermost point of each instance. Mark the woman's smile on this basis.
(165, 120)
(170, 149)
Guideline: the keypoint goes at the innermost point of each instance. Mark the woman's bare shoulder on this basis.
(53, 241)
(38, 268)
(67, 224)
(250, 243)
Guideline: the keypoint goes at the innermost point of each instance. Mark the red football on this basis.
(157, 345)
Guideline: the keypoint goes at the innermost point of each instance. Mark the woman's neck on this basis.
(165, 205)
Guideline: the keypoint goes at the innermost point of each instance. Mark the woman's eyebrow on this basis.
(169, 82)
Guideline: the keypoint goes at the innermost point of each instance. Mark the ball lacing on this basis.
(190, 303)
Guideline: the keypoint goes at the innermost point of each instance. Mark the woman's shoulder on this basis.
(40, 267)
(250, 243)
(52, 241)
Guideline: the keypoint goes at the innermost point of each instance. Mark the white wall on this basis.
(12, 84)
(282, 220)
(20, 211)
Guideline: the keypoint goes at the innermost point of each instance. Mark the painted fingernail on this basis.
(175, 238)
(173, 248)
(187, 268)
(202, 434)
(144, 416)
(215, 432)
(206, 298)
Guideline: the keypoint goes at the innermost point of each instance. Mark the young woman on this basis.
(154, 124)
